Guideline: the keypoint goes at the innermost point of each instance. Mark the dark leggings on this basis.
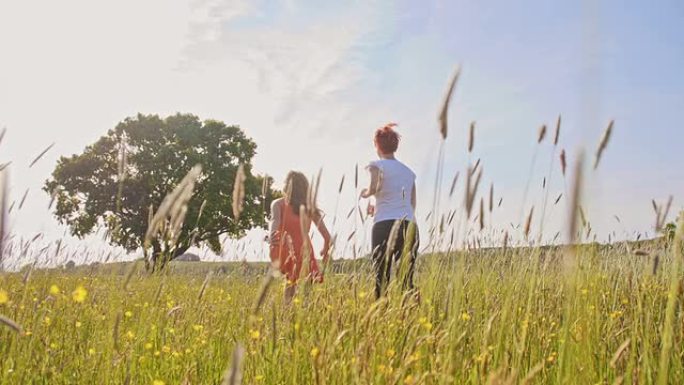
(382, 258)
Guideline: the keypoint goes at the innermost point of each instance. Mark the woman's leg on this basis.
(410, 242)
(290, 291)
(380, 235)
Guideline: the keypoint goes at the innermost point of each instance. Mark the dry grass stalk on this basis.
(558, 126)
(239, 192)
(172, 205)
(603, 144)
(443, 115)
(2, 133)
(575, 200)
(661, 215)
(471, 191)
(453, 184)
(233, 375)
(558, 199)
(205, 284)
(356, 176)
(563, 162)
(471, 137)
(339, 189)
(477, 166)
(505, 243)
(312, 195)
(482, 223)
(542, 133)
(265, 286)
(491, 197)
(41, 155)
(23, 199)
(115, 331)
(533, 372)
(3, 212)
(173, 311)
(528, 223)
(10, 324)
(304, 224)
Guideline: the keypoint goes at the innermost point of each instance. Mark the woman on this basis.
(393, 185)
(289, 234)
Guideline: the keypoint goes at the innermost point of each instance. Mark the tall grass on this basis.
(497, 319)
(585, 314)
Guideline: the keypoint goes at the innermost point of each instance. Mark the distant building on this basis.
(188, 257)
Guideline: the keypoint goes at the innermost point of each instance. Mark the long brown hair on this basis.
(296, 190)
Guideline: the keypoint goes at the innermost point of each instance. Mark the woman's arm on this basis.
(320, 225)
(374, 182)
(276, 220)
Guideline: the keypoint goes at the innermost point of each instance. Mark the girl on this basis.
(289, 234)
(394, 186)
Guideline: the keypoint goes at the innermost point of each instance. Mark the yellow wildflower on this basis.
(258, 377)
(158, 382)
(465, 316)
(254, 334)
(78, 324)
(315, 352)
(54, 290)
(4, 298)
(79, 295)
(148, 346)
(128, 314)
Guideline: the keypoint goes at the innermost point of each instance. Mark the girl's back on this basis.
(393, 198)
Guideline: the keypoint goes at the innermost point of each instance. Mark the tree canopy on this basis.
(117, 180)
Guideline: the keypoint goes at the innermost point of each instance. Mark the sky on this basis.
(311, 81)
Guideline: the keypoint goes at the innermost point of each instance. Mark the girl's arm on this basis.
(274, 225)
(320, 225)
(374, 182)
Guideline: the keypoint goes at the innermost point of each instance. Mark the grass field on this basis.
(598, 315)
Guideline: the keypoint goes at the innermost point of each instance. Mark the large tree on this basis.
(116, 181)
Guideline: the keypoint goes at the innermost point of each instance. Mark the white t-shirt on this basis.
(393, 198)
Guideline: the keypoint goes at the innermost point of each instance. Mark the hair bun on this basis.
(389, 127)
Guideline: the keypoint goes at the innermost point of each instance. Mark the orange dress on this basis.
(289, 246)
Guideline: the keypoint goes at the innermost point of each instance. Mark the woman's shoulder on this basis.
(377, 163)
(407, 169)
(278, 202)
